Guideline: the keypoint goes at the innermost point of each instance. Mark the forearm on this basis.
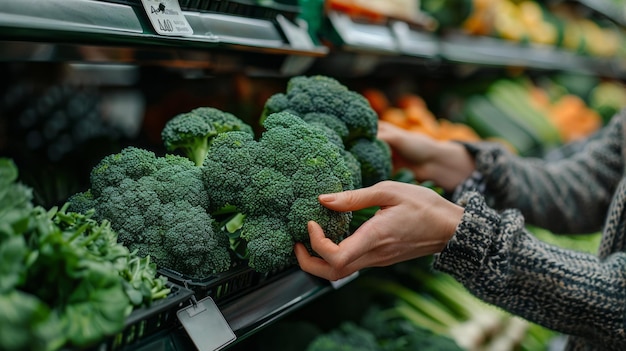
(575, 293)
(570, 195)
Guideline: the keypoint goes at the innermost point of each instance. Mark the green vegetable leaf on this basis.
(12, 268)
(28, 324)
(97, 307)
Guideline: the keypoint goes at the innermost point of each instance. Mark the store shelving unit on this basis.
(611, 9)
(119, 32)
(100, 31)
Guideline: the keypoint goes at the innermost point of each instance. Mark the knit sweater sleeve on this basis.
(569, 195)
(493, 256)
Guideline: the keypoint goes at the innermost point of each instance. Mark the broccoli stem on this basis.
(198, 153)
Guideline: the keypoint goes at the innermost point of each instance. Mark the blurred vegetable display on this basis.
(555, 24)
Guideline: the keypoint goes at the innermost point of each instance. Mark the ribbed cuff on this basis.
(466, 251)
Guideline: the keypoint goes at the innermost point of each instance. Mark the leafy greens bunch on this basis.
(64, 278)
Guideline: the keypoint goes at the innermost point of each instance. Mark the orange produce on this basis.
(573, 118)
(570, 114)
(411, 113)
(377, 99)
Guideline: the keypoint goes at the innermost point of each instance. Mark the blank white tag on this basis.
(167, 18)
(343, 281)
(206, 325)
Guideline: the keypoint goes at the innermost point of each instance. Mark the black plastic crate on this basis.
(225, 286)
(147, 321)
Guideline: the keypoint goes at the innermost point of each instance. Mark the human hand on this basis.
(444, 162)
(411, 150)
(413, 221)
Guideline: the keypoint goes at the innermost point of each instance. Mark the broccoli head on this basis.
(346, 118)
(325, 95)
(191, 132)
(274, 181)
(158, 206)
(374, 156)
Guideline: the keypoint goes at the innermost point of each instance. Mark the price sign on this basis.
(206, 325)
(167, 18)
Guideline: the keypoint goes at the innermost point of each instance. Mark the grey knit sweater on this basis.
(491, 253)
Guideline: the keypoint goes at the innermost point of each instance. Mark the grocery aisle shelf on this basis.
(70, 30)
(461, 48)
(615, 10)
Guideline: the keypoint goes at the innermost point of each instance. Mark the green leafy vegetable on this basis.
(62, 274)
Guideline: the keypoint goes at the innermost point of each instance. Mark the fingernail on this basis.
(327, 197)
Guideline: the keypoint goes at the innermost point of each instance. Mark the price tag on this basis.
(167, 18)
(206, 325)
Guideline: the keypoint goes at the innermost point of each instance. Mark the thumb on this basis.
(353, 200)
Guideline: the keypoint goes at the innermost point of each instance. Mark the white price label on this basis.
(343, 281)
(167, 18)
(206, 326)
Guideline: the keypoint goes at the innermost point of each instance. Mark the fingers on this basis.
(387, 131)
(311, 264)
(353, 200)
(330, 265)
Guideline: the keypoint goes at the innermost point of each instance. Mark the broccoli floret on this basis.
(335, 224)
(130, 163)
(192, 131)
(229, 166)
(395, 333)
(354, 166)
(179, 180)
(274, 182)
(374, 156)
(381, 331)
(326, 95)
(161, 212)
(270, 245)
(270, 192)
(187, 239)
(331, 122)
(82, 202)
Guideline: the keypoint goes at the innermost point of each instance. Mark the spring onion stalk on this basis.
(408, 312)
(427, 312)
(425, 305)
(456, 297)
(510, 337)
